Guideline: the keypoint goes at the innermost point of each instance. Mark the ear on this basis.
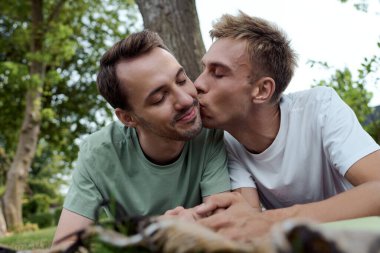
(125, 117)
(263, 90)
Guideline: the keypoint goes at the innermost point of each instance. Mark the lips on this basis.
(203, 111)
(188, 116)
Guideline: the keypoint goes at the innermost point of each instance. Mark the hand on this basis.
(239, 221)
(182, 214)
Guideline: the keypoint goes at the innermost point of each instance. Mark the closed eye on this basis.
(159, 100)
(182, 82)
(219, 70)
(216, 73)
(181, 77)
(217, 76)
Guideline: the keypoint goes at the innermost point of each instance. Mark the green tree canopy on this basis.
(74, 35)
(352, 88)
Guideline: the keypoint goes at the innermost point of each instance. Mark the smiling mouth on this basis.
(188, 116)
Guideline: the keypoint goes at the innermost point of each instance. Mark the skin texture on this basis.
(165, 114)
(222, 106)
(245, 109)
(165, 106)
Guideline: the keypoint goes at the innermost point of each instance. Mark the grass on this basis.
(367, 223)
(43, 238)
(40, 239)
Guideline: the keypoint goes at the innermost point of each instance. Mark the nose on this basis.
(184, 99)
(200, 84)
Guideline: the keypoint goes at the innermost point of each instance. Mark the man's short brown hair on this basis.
(134, 45)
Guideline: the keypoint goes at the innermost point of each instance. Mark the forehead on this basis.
(226, 51)
(146, 71)
(156, 62)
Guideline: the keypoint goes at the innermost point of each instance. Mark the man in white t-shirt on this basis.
(299, 155)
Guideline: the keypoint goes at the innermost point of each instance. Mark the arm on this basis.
(83, 198)
(69, 222)
(251, 196)
(240, 221)
(363, 200)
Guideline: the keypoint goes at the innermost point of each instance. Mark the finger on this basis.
(215, 222)
(186, 215)
(219, 210)
(194, 214)
(169, 212)
(221, 200)
(174, 211)
(166, 216)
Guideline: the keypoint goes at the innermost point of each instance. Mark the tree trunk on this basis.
(176, 21)
(3, 224)
(27, 143)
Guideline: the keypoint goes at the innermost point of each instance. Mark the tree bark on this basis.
(27, 143)
(3, 224)
(176, 21)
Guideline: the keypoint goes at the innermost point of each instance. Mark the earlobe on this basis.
(263, 90)
(125, 117)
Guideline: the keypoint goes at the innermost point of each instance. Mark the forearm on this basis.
(361, 201)
(69, 223)
(251, 196)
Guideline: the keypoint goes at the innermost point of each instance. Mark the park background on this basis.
(49, 58)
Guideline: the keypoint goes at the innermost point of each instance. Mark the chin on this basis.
(191, 133)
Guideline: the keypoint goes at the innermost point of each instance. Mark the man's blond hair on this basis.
(268, 48)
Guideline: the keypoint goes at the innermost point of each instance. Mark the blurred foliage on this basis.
(42, 220)
(360, 5)
(27, 227)
(352, 89)
(74, 38)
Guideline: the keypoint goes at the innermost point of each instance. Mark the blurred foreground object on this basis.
(171, 235)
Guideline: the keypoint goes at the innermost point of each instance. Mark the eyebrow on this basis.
(216, 64)
(159, 88)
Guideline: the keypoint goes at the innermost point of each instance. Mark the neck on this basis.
(258, 129)
(160, 150)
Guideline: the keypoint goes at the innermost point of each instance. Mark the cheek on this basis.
(191, 90)
(158, 113)
(222, 97)
(231, 101)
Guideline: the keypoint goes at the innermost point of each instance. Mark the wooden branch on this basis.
(55, 13)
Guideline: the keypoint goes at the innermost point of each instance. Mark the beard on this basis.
(175, 133)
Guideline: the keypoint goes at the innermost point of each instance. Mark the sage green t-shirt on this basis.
(111, 164)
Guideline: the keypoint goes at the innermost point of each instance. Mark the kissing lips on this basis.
(203, 111)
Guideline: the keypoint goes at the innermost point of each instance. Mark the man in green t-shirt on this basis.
(158, 156)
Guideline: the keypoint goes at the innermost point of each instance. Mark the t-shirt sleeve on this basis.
(215, 177)
(240, 175)
(343, 136)
(83, 196)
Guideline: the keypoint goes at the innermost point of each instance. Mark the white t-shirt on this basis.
(319, 139)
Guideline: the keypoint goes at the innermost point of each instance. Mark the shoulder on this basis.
(110, 135)
(316, 94)
(101, 149)
(315, 101)
(230, 141)
(232, 145)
